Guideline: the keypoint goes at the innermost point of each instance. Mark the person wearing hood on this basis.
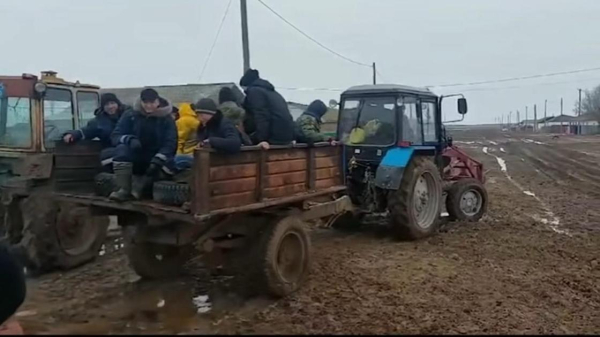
(268, 119)
(146, 142)
(187, 124)
(103, 124)
(310, 121)
(234, 112)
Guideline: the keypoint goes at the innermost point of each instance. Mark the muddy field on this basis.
(531, 265)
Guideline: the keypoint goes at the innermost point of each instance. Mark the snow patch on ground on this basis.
(485, 150)
(492, 142)
(502, 150)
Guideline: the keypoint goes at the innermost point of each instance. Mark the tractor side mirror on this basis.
(462, 106)
(333, 103)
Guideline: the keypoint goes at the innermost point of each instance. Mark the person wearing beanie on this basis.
(216, 130)
(310, 121)
(268, 119)
(233, 111)
(102, 125)
(145, 141)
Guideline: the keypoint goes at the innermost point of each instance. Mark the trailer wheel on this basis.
(416, 206)
(104, 184)
(59, 235)
(171, 193)
(281, 257)
(467, 200)
(153, 260)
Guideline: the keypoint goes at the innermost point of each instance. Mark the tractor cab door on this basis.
(65, 109)
(419, 121)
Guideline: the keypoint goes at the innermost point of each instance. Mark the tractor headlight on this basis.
(40, 88)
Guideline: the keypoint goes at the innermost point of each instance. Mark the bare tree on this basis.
(590, 102)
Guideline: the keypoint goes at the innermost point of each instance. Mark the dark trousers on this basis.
(140, 159)
(12, 284)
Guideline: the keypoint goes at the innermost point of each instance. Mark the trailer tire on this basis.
(281, 257)
(467, 200)
(171, 193)
(59, 236)
(154, 261)
(422, 177)
(104, 184)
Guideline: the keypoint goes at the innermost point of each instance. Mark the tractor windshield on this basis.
(368, 121)
(15, 122)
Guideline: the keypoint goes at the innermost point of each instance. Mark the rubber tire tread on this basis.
(453, 200)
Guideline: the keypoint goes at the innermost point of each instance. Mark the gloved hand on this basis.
(153, 170)
(135, 144)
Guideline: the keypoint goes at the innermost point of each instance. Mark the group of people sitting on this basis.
(155, 140)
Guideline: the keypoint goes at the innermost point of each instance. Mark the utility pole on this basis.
(526, 117)
(535, 118)
(561, 106)
(509, 118)
(579, 106)
(545, 116)
(518, 119)
(374, 74)
(245, 40)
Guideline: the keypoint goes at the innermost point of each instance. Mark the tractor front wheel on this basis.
(416, 206)
(467, 200)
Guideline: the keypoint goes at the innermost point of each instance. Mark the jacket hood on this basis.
(263, 84)
(185, 110)
(164, 109)
(317, 109)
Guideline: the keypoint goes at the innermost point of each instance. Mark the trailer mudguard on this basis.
(390, 171)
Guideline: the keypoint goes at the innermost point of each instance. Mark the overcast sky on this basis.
(121, 43)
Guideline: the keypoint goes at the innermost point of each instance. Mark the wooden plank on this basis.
(284, 191)
(232, 172)
(310, 169)
(326, 183)
(282, 179)
(331, 172)
(225, 187)
(200, 192)
(286, 154)
(325, 162)
(232, 200)
(261, 166)
(61, 161)
(330, 151)
(75, 174)
(286, 166)
(220, 159)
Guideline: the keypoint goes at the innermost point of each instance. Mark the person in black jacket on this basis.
(216, 130)
(146, 142)
(103, 124)
(12, 284)
(268, 119)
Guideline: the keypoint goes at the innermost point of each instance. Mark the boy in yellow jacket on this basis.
(187, 125)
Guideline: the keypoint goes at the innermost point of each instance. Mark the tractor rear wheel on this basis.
(467, 200)
(416, 206)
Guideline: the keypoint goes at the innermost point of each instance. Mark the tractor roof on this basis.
(387, 88)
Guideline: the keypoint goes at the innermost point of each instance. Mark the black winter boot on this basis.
(123, 176)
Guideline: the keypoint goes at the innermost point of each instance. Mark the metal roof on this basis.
(177, 94)
(386, 88)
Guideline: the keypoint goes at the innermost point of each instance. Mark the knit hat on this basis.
(249, 77)
(149, 95)
(205, 106)
(109, 97)
(226, 95)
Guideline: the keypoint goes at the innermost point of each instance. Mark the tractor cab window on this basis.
(411, 128)
(368, 121)
(429, 116)
(87, 103)
(15, 122)
(58, 115)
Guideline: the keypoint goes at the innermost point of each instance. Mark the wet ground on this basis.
(531, 265)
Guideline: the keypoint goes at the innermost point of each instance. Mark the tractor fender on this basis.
(391, 169)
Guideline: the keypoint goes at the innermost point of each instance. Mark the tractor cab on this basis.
(35, 113)
(399, 159)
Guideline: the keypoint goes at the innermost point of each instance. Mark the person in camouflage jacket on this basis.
(310, 121)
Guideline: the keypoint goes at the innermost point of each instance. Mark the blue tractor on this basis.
(399, 161)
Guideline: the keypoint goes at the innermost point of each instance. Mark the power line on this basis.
(312, 39)
(215, 40)
(530, 85)
(515, 78)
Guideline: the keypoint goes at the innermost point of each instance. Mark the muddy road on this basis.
(531, 265)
